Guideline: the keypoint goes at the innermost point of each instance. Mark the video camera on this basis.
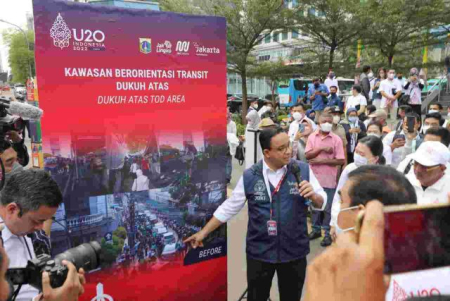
(86, 256)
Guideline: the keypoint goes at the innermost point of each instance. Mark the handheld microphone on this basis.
(298, 177)
(296, 171)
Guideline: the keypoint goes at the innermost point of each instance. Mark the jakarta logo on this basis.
(145, 45)
(60, 33)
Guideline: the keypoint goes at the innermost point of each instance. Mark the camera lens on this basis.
(86, 256)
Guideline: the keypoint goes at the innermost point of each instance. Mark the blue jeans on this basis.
(322, 219)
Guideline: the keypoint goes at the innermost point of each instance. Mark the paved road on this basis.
(237, 229)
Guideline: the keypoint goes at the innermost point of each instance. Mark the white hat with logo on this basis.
(432, 153)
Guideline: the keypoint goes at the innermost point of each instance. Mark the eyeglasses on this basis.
(284, 149)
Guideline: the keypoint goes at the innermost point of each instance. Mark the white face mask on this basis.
(359, 160)
(338, 229)
(373, 134)
(370, 75)
(425, 128)
(326, 127)
(432, 111)
(353, 119)
(297, 116)
(336, 119)
(255, 106)
(391, 76)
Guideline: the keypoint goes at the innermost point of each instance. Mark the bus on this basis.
(295, 89)
(290, 91)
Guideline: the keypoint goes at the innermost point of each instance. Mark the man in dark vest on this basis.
(277, 237)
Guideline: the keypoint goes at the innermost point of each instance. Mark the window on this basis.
(276, 36)
(285, 36)
(267, 39)
(263, 58)
(294, 34)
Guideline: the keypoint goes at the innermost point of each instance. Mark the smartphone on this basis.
(301, 128)
(415, 237)
(410, 122)
(399, 136)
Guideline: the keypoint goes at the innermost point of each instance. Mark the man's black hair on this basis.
(437, 104)
(31, 189)
(366, 68)
(357, 88)
(300, 104)
(382, 183)
(437, 116)
(333, 87)
(371, 108)
(4, 145)
(406, 108)
(266, 135)
(441, 132)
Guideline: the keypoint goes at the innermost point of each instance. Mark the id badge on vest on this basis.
(272, 228)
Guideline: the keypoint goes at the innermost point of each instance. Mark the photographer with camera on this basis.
(29, 198)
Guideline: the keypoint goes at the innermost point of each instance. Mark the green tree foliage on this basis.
(248, 22)
(329, 25)
(21, 59)
(401, 27)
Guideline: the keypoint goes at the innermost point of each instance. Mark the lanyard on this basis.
(274, 192)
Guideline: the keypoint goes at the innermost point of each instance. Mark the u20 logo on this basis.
(182, 46)
(87, 35)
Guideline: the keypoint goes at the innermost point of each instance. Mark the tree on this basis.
(273, 72)
(248, 22)
(21, 59)
(336, 24)
(400, 26)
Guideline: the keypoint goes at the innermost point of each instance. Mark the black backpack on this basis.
(240, 153)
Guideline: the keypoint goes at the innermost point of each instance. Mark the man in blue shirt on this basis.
(317, 93)
(334, 100)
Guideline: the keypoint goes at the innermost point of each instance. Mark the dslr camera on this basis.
(86, 256)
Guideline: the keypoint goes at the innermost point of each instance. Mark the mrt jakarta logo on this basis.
(145, 45)
(84, 39)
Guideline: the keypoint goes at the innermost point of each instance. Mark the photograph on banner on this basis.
(134, 133)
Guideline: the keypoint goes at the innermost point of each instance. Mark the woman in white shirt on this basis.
(368, 151)
(357, 101)
(414, 88)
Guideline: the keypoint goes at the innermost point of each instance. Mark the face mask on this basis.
(425, 128)
(400, 77)
(391, 76)
(339, 230)
(432, 111)
(316, 85)
(255, 106)
(333, 94)
(370, 75)
(373, 134)
(360, 160)
(336, 119)
(353, 119)
(297, 116)
(326, 127)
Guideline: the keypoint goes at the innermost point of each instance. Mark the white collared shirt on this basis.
(434, 194)
(236, 201)
(18, 258)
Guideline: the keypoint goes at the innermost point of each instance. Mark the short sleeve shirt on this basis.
(326, 174)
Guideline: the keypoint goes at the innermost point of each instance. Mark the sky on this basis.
(13, 11)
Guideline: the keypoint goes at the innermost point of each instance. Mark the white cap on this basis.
(432, 153)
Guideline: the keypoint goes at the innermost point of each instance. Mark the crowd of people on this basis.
(380, 134)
